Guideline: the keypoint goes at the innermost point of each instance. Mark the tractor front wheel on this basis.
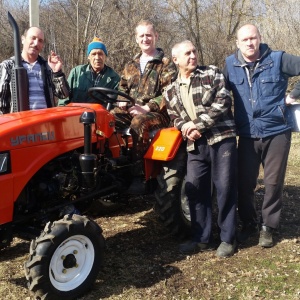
(65, 259)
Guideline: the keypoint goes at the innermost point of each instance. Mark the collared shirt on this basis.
(187, 100)
(187, 97)
(96, 77)
(37, 99)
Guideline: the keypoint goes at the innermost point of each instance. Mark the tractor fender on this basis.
(163, 147)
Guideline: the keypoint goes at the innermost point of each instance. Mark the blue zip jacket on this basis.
(259, 106)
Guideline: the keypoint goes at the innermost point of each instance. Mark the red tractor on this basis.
(55, 164)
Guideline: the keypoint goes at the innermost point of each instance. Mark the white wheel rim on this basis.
(78, 250)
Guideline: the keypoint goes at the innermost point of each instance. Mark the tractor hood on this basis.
(52, 125)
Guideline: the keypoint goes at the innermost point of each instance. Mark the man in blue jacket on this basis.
(258, 79)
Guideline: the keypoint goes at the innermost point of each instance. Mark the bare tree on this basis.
(70, 25)
(78, 21)
(280, 28)
(212, 24)
(19, 9)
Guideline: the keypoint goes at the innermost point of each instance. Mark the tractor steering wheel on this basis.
(108, 96)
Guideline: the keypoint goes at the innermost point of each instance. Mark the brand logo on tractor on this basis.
(160, 148)
(33, 138)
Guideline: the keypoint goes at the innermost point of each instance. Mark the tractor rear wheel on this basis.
(65, 259)
(171, 202)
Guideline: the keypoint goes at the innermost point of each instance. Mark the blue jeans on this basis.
(206, 165)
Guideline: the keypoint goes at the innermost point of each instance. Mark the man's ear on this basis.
(237, 43)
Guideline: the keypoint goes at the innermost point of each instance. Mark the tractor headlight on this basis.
(4, 163)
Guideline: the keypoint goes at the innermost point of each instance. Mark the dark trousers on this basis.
(217, 164)
(272, 152)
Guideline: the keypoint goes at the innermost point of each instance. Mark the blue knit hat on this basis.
(96, 44)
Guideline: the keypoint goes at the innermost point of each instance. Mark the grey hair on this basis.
(176, 47)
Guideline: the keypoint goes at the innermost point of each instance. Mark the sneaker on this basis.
(248, 230)
(266, 237)
(226, 249)
(192, 247)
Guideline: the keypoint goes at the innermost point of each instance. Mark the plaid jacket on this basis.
(212, 102)
(147, 88)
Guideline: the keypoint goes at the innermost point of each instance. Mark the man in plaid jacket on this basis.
(200, 106)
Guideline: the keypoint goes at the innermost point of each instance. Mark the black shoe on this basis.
(266, 237)
(192, 247)
(247, 231)
(226, 249)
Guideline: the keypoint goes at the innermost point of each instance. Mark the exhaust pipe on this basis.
(88, 160)
(19, 78)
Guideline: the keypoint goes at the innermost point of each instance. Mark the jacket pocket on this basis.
(271, 85)
(237, 86)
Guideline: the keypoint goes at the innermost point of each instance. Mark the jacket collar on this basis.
(198, 70)
(158, 56)
(264, 50)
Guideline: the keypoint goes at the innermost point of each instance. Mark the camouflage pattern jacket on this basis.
(212, 102)
(147, 88)
(55, 84)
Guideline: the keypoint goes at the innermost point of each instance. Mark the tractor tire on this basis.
(65, 259)
(171, 202)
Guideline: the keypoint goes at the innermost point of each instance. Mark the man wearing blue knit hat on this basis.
(94, 74)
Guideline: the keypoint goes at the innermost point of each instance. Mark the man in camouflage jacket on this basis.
(144, 78)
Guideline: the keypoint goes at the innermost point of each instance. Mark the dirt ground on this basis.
(142, 260)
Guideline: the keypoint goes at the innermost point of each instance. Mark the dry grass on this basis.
(142, 261)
